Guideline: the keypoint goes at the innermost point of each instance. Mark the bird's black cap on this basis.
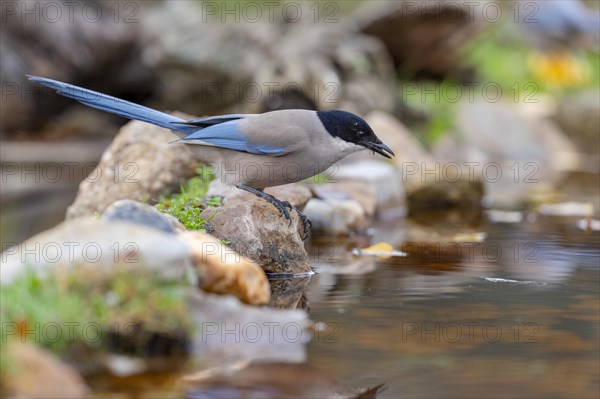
(353, 129)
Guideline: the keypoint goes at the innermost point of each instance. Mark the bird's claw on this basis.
(282, 208)
(306, 223)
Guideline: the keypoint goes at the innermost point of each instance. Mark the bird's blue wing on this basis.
(228, 135)
(215, 120)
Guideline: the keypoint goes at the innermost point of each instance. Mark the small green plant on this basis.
(188, 204)
(84, 306)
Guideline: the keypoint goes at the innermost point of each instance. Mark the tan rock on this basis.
(37, 373)
(140, 164)
(255, 228)
(223, 271)
(296, 194)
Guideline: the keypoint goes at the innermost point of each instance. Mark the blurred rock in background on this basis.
(423, 37)
(215, 67)
(98, 53)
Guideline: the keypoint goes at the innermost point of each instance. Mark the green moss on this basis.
(87, 306)
(187, 205)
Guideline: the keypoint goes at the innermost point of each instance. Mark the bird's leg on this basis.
(281, 206)
(259, 193)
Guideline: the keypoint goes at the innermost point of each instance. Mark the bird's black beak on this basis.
(380, 148)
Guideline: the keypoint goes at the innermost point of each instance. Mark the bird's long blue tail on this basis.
(116, 105)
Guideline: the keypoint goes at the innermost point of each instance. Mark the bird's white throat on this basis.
(347, 148)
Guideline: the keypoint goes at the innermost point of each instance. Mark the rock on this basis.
(67, 43)
(336, 216)
(223, 271)
(254, 228)
(143, 214)
(229, 331)
(516, 156)
(34, 372)
(419, 179)
(90, 243)
(361, 191)
(383, 177)
(568, 209)
(499, 216)
(440, 195)
(422, 37)
(411, 157)
(140, 164)
(120, 240)
(356, 190)
(578, 115)
(296, 194)
(398, 137)
(588, 225)
(208, 68)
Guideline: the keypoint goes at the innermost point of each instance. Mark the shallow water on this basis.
(517, 315)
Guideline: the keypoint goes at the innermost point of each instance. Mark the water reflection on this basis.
(433, 326)
(274, 380)
(288, 293)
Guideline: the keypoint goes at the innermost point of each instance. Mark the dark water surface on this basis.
(434, 325)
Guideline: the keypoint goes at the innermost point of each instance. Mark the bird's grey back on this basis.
(289, 129)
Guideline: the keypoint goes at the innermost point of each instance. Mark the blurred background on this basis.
(428, 64)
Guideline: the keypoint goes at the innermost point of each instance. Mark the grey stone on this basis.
(385, 179)
(336, 216)
(517, 156)
(143, 214)
(578, 115)
(101, 246)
